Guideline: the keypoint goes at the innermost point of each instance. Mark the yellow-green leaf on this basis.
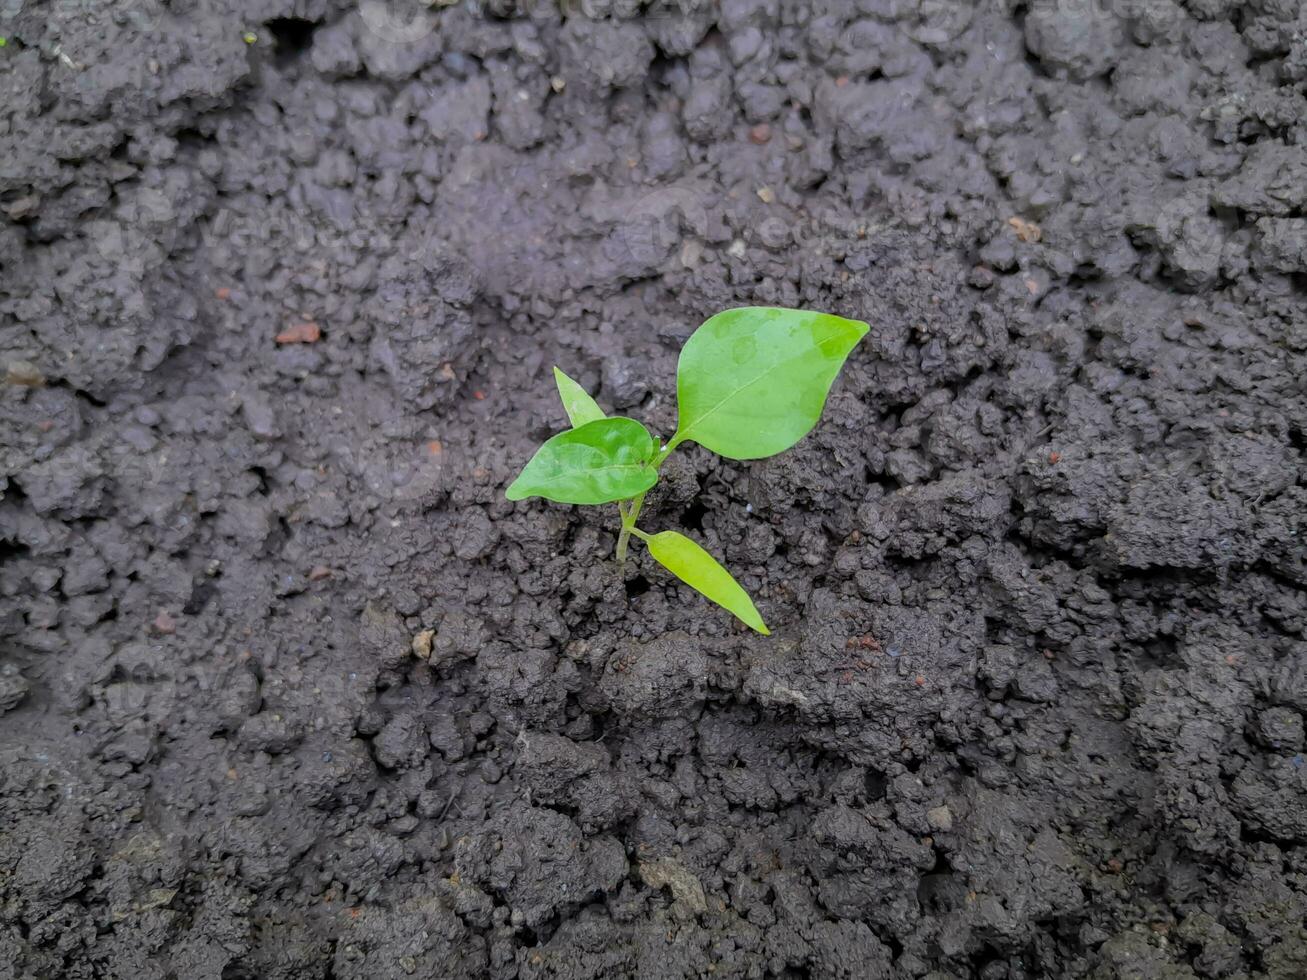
(701, 571)
(751, 382)
(604, 460)
(578, 404)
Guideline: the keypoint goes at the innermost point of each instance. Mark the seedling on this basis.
(750, 383)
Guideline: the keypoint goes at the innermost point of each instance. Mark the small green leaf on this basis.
(751, 382)
(578, 404)
(701, 572)
(601, 461)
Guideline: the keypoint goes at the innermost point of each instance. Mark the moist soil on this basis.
(289, 691)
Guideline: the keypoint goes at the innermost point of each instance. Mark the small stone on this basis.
(165, 624)
(307, 332)
(940, 818)
(766, 195)
(736, 249)
(686, 888)
(24, 373)
(558, 83)
(422, 644)
(1027, 231)
(318, 572)
(760, 134)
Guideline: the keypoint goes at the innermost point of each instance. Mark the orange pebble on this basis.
(300, 333)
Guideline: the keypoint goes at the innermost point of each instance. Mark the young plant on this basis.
(750, 383)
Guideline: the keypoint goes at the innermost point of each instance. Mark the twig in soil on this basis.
(452, 797)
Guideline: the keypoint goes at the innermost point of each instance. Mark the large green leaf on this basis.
(700, 570)
(751, 382)
(601, 461)
(578, 404)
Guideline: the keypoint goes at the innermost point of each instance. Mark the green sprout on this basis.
(750, 383)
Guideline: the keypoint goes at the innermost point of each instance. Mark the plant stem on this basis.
(633, 514)
(629, 516)
(666, 451)
(630, 510)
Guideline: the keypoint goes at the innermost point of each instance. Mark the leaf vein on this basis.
(684, 433)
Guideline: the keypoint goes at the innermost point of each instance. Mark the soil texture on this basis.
(290, 691)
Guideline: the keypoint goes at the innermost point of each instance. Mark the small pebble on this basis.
(422, 644)
(760, 134)
(300, 333)
(1027, 231)
(24, 373)
(940, 818)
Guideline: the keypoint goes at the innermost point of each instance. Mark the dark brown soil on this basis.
(289, 691)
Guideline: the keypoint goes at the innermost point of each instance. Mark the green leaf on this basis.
(578, 404)
(751, 382)
(601, 461)
(701, 572)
